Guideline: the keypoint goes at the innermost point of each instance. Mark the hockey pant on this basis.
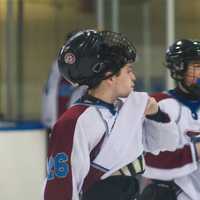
(114, 188)
(160, 190)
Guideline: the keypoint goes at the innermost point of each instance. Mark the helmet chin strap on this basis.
(183, 87)
(193, 90)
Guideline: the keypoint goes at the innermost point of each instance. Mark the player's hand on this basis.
(152, 107)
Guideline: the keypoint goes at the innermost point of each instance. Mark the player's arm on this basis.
(176, 162)
(153, 112)
(160, 130)
(169, 165)
(65, 161)
(59, 183)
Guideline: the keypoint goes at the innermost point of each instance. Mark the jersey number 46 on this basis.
(57, 166)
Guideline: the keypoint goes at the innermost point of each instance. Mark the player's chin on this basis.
(126, 93)
(131, 88)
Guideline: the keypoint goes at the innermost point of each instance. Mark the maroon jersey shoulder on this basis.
(73, 112)
(61, 144)
(65, 127)
(160, 96)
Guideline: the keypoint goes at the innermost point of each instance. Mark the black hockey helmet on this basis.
(88, 55)
(179, 55)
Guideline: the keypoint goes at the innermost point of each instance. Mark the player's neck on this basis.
(103, 94)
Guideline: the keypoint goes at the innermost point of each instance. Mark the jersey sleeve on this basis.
(169, 165)
(177, 162)
(160, 134)
(67, 157)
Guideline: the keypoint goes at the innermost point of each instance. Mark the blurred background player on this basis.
(176, 175)
(96, 148)
(58, 94)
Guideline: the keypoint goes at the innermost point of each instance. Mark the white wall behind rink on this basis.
(22, 164)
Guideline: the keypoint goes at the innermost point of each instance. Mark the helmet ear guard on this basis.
(88, 55)
(177, 69)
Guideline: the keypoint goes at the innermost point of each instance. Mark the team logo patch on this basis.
(70, 58)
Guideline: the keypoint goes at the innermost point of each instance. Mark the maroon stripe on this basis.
(92, 177)
(97, 148)
(160, 96)
(170, 160)
(94, 174)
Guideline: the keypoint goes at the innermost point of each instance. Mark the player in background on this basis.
(96, 148)
(58, 94)
(176, 175)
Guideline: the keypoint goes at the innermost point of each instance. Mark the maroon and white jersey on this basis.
(181, 165)
(93, 139)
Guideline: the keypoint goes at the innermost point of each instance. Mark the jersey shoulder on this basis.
(159, 96)
(72, 113)
(66, 124)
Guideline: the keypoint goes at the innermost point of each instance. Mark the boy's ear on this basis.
(110, 76)
(107, 74)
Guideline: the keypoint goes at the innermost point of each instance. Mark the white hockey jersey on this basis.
(94, 139)
(181, 165)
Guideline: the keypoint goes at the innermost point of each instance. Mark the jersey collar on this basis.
(88, 99)
(193, 105)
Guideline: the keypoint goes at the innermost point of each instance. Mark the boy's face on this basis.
(124, 81)
(192, 75)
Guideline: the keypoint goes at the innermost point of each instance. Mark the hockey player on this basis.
(176, 175)
(56, 96)
(96, 148)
